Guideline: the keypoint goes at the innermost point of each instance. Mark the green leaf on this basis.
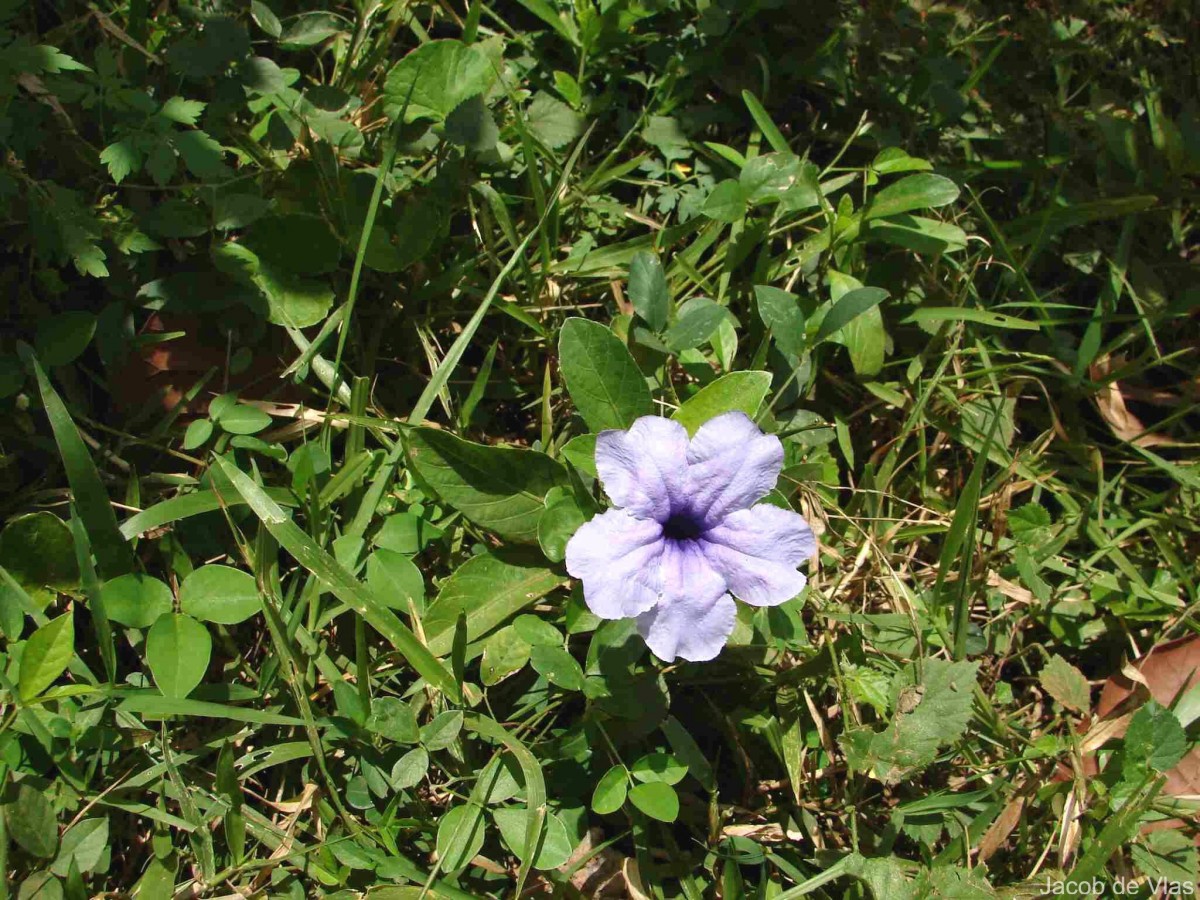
(848, 307)
(31, 821)
(410, 769)
(38, 551)
(611, 790)
(537, 632)
(393, 719)
(656, 799)
(554, 844)
(929, 715)
(912, 192)
(686, 749)
(698, 321)
(648, 291)
(937, 314)
(470, 125)
(891, 160)
(659, 767)
(557, 666)
(182, 111)
(310, 29)
(502, 489)
(432, 80)
(395, 579)
(265, 18)
(743, 391)
(47, 654)
(580, 451)
(198, 432)
(782, 178)
(443, 730)
(330, 573)
(780, 313)
(82, 845)
(460, 836)
(296, 243)
(605, 383)
(178, 649)
(122, 159)
(726, 202)
(262, 75)
(489, 589)
(552, 122)
(556, 526)
(1066, 684)
(504, 653)
(917, 233)
(292, 301)
(1154, 738)
(1030, 524)
(219, 594)
(91, 498)
(136, 600)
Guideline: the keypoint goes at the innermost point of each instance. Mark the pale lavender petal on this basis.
(644, 469)
(757, 550)
(618, 557)
(695, 617)
(731, 466)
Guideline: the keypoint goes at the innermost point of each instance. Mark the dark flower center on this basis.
(682, 527)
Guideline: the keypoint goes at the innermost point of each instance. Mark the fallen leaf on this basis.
(1111, 403)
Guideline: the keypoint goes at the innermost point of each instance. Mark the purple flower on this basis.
(686, 533)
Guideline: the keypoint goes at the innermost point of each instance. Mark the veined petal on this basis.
(618, 557)
(644, 469)
(695, 616)
(731, 466)
(757, 550)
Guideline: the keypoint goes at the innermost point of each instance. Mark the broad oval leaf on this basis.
(31, 821)
(504, 653)
(460, 836)
(605, 383)
(657, 799)
(611, 790)
(743, 391)
(489, 588)
(220, 594)
(554, 845)
(136, 600)
(502, 489)
(38, 551)
(178, 649)
(913, 192)
(47, 654)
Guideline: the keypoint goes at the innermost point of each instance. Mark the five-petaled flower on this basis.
(686, 533)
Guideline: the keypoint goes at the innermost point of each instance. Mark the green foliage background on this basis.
(314, 311)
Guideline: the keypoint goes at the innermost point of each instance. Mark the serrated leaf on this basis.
(1066, 684)
(1155, 738)
(435, 78)
(927, 716)
(182, 111)
(122, 158)
(502, 489)
(553, 122)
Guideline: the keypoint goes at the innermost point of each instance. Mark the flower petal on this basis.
(644, 469)
(757, 550)
(731, 466)
(695, 616)
(618, 557)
